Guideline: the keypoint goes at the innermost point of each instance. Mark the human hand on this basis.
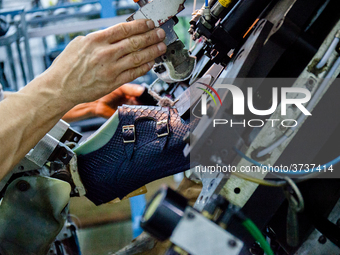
(107, 105)
(95, 65)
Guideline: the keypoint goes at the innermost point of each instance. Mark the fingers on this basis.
(125, 30)
(141, 57)
(132, 74)
(132, 90)
(138, 42)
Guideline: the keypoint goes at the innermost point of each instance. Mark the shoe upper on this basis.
(147, 145)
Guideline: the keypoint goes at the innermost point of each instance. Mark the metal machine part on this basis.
(163, 213)
(51, 148)
(200, 236)
(176, 64)
(168, 216)
(234, 70)
(32, 213)
(260, 54)
(36, 193)
(231, 21)
(66, 243)
(155, 11)
(318, 242)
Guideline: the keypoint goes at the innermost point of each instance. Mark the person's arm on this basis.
(89, 68)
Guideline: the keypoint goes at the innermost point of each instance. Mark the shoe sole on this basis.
(99, 138)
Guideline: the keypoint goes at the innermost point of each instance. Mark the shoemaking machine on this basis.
(288, 201)
(257, 46)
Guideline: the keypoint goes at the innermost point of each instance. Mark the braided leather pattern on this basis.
(109, 173)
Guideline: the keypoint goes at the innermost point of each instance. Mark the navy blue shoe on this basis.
(138, 145)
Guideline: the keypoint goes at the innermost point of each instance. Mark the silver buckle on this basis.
(127, 128)
(167, 126)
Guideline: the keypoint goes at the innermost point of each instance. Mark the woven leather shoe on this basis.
(134, 147)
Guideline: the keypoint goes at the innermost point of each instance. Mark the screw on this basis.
(232, 243)
(211, 184)
(23, 185)
(322, 239)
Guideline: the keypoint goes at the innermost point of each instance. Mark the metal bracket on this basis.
(155, 11)
(198, 235)
(79, 187)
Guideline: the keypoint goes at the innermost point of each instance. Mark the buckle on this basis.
(162, 122)
(127, 135)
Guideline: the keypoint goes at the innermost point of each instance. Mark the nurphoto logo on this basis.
(239, 99)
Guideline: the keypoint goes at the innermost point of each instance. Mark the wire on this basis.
(300, 172)
(301, 203)
(260, 181)
(328, 53)
(273, 146)
(309, 107)
(258, 236)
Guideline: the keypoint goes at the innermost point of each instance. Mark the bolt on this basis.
(23, 185)
(232, 243)
(322, 239)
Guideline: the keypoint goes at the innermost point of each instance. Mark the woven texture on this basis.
(119, 168)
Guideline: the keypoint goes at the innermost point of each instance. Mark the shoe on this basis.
(137, 145)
